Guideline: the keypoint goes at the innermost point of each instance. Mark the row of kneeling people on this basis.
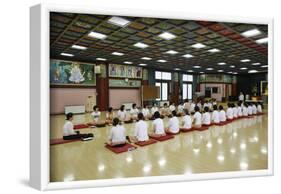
(117, 132)
(233, 111)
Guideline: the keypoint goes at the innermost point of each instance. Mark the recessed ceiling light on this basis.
(198, 45)
(253, 71)
(209, 69)
(222, 63)
(220, 70)
(196, 66)
(243, 68)
(229, 72)
(256, 63)
(214, 50)
(234, 73)
(190, 71)
(117, 53)
(67, 54)
(245, 60)
(78, 47)
(101, 59)
(161, 61)
(97, 35)
(264, 66)
(167, 36)
(201, 72)
(142, 64)
(232, 66)
(140, 45)
(187, 55)
(172, 52)
(118, 21)
(128, 62)
(262, 40)
(251, 33)
(146, 58)
(177, 69)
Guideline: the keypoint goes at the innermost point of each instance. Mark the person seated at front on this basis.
(180, 109)
(134, 112)
(96, 114)
(197, 118)
(222, 114)
(145, 112)
(116, 135)
(192, 107)
(186, 104)
(250, 109)
(214, 102)
(199, 104)
(205, 104)
(158, 126)
(254, 107)
(141, 130)
(245, 109)
(172, 107)
(206, 117)
(215, 115)
(68, 131)
(173, 124)
(210, 105)
(186, 120)
(239, 109)
(165, 111)
(109, 115)
(235, 111)
(121, 114)
(154, 109)
(259, 107)
(229, 112)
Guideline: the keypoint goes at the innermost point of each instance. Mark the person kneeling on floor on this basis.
(141, 130)
(116, 134)
(173, 125)
(68, 131)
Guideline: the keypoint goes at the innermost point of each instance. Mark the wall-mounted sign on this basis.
(124, 83)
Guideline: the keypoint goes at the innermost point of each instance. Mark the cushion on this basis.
(121, 149)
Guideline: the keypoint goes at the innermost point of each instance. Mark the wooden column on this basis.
(102, 88)
(234, 86)
(144, 82)
(175, 91)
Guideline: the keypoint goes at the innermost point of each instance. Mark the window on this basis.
(163, 75)
(163, 90)
(166, 76)
(189, 91)
(187, 78)
(186, 91)
(187, 86)
(163, 79)
(158, 75)
(215, 90)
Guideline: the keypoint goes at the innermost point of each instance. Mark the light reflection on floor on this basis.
(240, 145)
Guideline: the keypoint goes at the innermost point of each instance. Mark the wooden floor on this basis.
(240, 145)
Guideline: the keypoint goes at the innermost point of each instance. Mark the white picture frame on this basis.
(39, 102)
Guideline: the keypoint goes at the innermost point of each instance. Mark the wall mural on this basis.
(123, 71)
(63, 73)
